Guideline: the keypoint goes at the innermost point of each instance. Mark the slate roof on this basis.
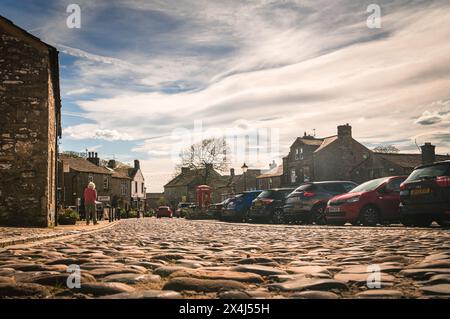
(275, 172)
(80, 164)
(191, 177)
(407, 160)
(326, 141)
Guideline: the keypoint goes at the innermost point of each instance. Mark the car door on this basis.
(389, 199)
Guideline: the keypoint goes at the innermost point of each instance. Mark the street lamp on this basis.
(244, 170)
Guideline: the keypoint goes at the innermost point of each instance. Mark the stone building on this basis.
(137, 185)
(78, 172)
(298, 165)
(30, 125)
(154, 200)
(341, 157)
(239, 183)
(271, 179)
(182, 188)
(120, 186)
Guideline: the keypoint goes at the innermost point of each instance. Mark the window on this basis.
(123, 188)
(297, 153)
(270, 182)
(306, 174)
(293, 176)
(105, 182)
(91, 178)
(395, 184)
(135, 187)
(334, 188)
(142, 188)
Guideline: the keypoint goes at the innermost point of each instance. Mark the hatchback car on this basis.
(268, 206)
(238, 207)
(164, 211)
(373, 202)
(307, 203)
(425, 195)
(215, 210)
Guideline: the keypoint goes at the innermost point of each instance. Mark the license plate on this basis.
(257, 204)
(420, 191)
(334, 209)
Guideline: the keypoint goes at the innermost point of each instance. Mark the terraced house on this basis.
(30, 126)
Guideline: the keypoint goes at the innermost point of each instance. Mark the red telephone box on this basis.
(203, 197)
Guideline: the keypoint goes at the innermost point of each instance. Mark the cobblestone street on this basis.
(176, 258)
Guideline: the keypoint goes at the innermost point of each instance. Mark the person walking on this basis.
(90, 196)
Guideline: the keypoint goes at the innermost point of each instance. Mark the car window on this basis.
(305, 187)
(368, 186)
(429, 172)
(394, 185)
(266, 194)
(348, 187)
(334, 188)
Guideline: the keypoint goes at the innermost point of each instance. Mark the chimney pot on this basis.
(232, 173)
(137, 165)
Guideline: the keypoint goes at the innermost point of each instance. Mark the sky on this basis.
(145, 79)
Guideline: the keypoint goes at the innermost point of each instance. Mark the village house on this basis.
(238, 183)
(30, 125)
(137, 185)
(120, 186)
(271, 179)
(182, 188)
(78, 172)
(341, 157)
(154, 200)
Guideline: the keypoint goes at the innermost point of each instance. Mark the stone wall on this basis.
(27, 145)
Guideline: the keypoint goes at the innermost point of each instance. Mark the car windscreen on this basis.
(368, 186)
(429, 172)
(266, 194)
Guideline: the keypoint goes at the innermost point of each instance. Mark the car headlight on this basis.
(352, 199)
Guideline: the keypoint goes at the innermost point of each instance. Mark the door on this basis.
(389, 199)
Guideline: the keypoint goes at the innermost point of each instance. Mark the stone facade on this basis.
(29, 128)
(271, 179)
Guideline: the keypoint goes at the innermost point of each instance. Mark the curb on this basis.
(20, 241)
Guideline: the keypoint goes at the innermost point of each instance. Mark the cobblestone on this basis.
(176, 258)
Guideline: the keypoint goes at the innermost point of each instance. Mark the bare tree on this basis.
(206, 156)
(386, 149)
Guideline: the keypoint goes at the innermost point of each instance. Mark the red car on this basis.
(373, 202)
(164, 211)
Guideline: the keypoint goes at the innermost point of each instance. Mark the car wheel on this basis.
(245, 217)
(277, 217)
(369, 216)
(318, 215)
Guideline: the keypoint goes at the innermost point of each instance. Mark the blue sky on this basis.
(139, 72)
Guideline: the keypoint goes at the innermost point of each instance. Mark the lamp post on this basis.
(244, 170)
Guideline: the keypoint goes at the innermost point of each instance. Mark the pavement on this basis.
(20, 235)
(177, 258)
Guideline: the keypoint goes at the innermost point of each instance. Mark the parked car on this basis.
(215, 210)
(268, 206)
(373, 202)
(164, 211)
(425, 195)
(307, 203)
(182, 209)
(238, 207)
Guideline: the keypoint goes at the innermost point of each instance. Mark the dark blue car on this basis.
(238, 207)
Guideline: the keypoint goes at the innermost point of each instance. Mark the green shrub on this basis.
(68, 217)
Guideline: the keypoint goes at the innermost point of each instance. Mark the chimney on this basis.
(209, 167)
(93, 158)
(428, 153)
(137, 165)
(185, 170)
(232, 174)
(344, 131)
(112, 164)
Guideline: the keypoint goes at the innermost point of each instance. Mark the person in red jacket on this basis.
(90, 196)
